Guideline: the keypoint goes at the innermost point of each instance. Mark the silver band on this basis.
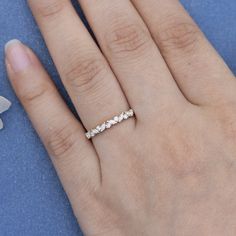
(109, 123)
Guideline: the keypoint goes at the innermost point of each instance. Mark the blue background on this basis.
(32, 201)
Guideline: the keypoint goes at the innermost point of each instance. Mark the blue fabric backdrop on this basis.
(32, 201)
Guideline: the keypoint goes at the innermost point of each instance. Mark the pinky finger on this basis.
(72, 154)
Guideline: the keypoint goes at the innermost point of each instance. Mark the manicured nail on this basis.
(17, 56)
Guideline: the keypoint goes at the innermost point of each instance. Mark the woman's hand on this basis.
(171, 170)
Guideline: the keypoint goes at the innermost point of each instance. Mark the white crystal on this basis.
(98, 128)
(130, 113)
(121, 117)
(112, 122)
(103, 127)
(1, 124)
(95, 131)
(88, 135)
(4, 104)
(108, 125)
(126, 116)
(116, 118)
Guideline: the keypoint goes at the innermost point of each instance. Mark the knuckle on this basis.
(178, 35)
(61, 141)
(48, 8)
(34, 93)
(189, 164)
(85, 75)
(126, 39)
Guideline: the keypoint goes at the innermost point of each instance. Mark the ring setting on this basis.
(110, 123)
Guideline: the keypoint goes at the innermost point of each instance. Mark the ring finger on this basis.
(85, 73)
(135, 59)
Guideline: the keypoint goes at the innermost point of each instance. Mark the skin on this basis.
(171, 170)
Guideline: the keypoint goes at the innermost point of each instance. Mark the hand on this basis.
(171, 170)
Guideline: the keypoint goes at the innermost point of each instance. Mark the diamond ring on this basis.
(110, 123)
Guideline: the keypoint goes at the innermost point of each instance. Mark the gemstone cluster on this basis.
(109, 123)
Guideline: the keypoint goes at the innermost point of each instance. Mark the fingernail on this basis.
(17, 56)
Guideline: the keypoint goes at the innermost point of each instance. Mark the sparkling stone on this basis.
(126, 116)
(116, 118)
(88, 135)
(121, 117)
(108, 125)
(95, 131)
(103, 127)
(112, 122)
(1, 124)
(4, 104)
(130, 113)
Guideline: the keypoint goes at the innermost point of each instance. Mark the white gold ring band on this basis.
(110, 123)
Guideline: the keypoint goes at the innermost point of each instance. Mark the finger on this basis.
(133, 55)
(85, 73)
(73, 156)
(200, 73)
